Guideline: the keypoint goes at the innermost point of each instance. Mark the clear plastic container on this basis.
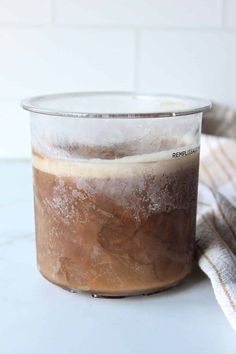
(115, 189)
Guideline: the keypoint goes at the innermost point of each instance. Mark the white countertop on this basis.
(37, 317)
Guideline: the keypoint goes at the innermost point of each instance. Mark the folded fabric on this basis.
(220, 121)
(216, 220)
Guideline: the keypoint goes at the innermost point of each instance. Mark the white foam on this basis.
(146, 164)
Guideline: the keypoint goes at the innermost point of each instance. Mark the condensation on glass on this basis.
(115, 189)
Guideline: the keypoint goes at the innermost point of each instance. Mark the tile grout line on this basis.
(224, 6)
(58, 26)
(52, 14)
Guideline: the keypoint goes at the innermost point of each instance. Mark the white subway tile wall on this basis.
(22, 12)
(189, 62)
(177, 46)
(33, 61)
(230, 13)
(173, 13)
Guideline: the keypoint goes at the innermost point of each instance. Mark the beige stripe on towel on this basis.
(216, 221)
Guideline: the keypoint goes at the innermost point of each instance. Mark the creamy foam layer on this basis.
(164, 162)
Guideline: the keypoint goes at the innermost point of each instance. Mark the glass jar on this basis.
(115, 189)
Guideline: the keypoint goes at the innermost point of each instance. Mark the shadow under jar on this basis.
(115, 189)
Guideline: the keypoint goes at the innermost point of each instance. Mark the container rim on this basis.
(38, 104)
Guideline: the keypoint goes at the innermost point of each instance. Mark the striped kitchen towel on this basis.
(216, 220)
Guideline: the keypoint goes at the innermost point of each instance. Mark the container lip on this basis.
(198, 105)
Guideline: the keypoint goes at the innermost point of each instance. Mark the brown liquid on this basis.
(114, 228)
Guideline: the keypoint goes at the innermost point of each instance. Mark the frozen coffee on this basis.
(115, 224)
(115, 189)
